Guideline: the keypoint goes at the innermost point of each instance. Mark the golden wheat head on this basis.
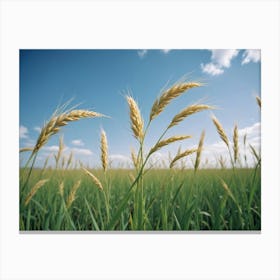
(56, 122)
(136, 120)
(235, 143)
(104, 150)
(168, 141)
(72, 195)
(168, 95)
(181, 155)
(94, 179)
(220, 130)
(199, 150)
(259, 101)
(192, 109)
(36, 187)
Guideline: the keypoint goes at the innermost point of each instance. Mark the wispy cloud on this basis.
(53, 148)
(85, 152)
(142, 53)
(251, 56)
(37, 128)
(78, 142)
(220, 60)
(165, 51)
(23, 132)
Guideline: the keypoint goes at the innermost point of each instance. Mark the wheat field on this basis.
(166, 197)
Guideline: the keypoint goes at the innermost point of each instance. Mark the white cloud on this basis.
(251, 56)
(166, 51)
(37, 128)
(50, 148)
(142, 53)
(23, 132)
(220, 59)
(223, 57)
(78, 142)
(211, 69)
(252, 131)
(85, 152)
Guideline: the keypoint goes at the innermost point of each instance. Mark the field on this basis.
(145, 197)
(171, 200)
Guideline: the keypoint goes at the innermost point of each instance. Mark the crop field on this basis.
(148, 197)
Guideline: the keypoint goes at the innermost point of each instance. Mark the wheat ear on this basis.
(168, 141)
(61, 188)
(104, 150)
(181, 155)
(220, 130)
(60, 149)
(56, 122)
(192, 109)
(235, 143)
(134, 158)
(259, 101)
(168, 95)
(26, 149)
(136, 120)
(94, 179)
(36, 187)
(199, 150)
(72, 195)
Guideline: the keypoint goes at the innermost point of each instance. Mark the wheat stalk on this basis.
(104, 150)
(168, 95)
(72, 195)
(199, 150)
(26, 149)
(94, 179)
(69, 161)
(134, 158)
(220, 130)
(137, 123)
(259, 101)
(60, 149)
(61, 188)
(56, 122)
(235, 143)
(168, 141)
(35, 188)
(181, 155)
(192, 109)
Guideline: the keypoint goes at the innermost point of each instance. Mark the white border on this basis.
(131, 24)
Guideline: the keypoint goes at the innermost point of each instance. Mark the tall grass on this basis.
(143, 198)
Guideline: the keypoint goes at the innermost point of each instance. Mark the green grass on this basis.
(167, 200)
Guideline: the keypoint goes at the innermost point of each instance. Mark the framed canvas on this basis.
(139, 140)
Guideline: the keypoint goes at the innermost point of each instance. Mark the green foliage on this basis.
(170, 200)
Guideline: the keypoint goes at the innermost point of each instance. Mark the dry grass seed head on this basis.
(259, 101)
(168, 95)
(192, 109)
(72, 195)
(199, 150)
(104, 150)
(235, 143)
(181, 155)
(134, 158)
(36, 187)
(94, 179)
(137, 123)
(26, 149)
(57, 121)
(168, 141)
(220, 130)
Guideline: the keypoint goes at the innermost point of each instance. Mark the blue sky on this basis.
(99, 80)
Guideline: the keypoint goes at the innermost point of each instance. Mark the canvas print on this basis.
(154, 140)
